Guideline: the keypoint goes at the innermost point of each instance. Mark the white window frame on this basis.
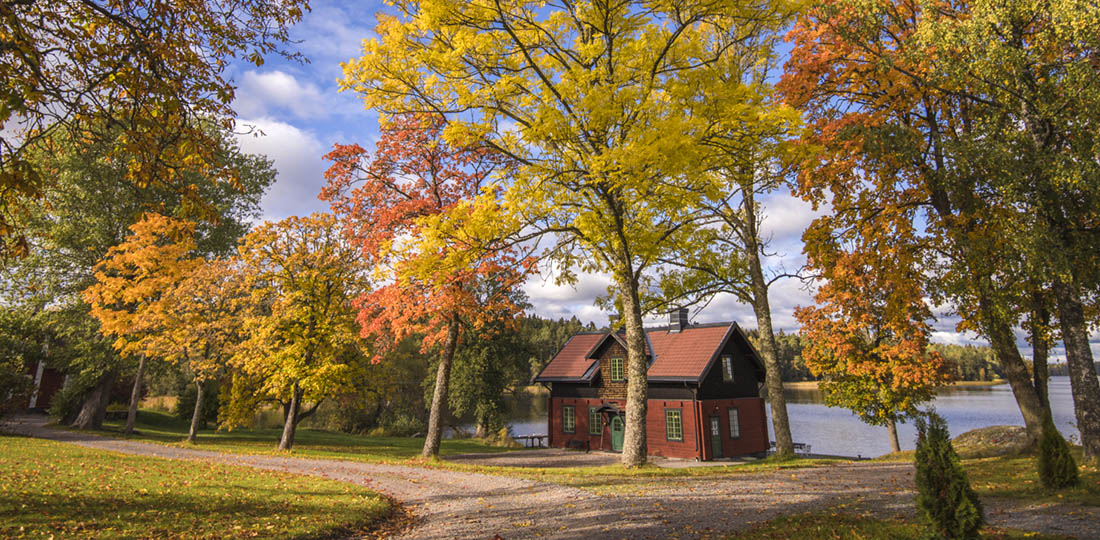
(568, 421)
(734, 415)
(679, 415)
(727, 368)
(622, 368)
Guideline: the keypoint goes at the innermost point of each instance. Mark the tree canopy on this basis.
(597, 106)
(956, 133)
(390, 200)
(301, 344)
(143, 74)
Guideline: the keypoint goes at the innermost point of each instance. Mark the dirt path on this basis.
(466, 505)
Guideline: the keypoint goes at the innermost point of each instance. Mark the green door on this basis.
(617, 433)
(715, 438)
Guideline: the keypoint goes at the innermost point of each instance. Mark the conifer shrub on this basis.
(185, 404)
(1057, 469)
(944, 496)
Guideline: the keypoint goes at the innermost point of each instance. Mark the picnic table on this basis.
(531, 441)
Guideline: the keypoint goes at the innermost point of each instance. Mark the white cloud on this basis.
(297, 156)
(554, 301)
(264, 94)
(786, 216)
(332, 33)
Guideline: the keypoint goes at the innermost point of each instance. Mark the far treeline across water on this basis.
(487, 375)
(970, 362)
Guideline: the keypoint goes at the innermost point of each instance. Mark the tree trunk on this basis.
(94, 409)
(637, 389)
(1040, 352)
(290, 425)
(892, 429)
(196, 417)
(482, 427)
(773, 373)
(439, 395)
(1003, 341)
(1082, 370)
(135, 397)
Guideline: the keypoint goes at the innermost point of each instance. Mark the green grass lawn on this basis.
(59, 490)
(166, 429)
(1018, 477)
(163, 428)
(615, 479)
(834, 526)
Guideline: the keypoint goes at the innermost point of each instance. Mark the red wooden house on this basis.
(704, 391)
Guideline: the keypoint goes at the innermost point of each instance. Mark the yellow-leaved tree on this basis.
(203, 325)
(301, 341)
(128, 297)
(596, 104)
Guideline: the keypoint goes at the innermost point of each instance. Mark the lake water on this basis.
(839, 432)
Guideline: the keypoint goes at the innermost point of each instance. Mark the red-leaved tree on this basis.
(405, 207)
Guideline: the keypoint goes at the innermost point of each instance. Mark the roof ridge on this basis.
(692, 326)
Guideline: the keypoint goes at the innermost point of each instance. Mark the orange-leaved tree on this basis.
(131, 281)
(203, 325)
(896, 136)
(415, 179)
(868, 331)
(301, 342)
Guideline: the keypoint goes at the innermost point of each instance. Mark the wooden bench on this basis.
(577, 444)
(116, 415)
(799, 448)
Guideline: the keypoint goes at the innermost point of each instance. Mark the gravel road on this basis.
(467, 505)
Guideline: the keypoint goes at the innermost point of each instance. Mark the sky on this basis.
(296, 113)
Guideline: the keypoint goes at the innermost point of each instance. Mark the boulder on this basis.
(991, 441)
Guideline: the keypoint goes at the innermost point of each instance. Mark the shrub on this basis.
(66, 404)
(1057, 470)
(401, 425)
(944, 496)
(505, 438)
(15, 387)
(185, 404)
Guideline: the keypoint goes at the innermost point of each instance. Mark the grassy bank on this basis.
(51, 489)
(834, 526)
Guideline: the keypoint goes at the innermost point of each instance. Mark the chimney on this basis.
(677, 320)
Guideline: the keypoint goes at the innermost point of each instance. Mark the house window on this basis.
(727, 368)
(617, 369)
(735, 423)
(568, 419)
(595, 423)
(674, 427)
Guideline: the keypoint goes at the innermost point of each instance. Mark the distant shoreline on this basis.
(812, 385)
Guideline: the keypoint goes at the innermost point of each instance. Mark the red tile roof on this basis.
(687, 353)
(683, 355)
(570, 362)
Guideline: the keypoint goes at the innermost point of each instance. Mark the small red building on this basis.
(47, 382)
(704, 392)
